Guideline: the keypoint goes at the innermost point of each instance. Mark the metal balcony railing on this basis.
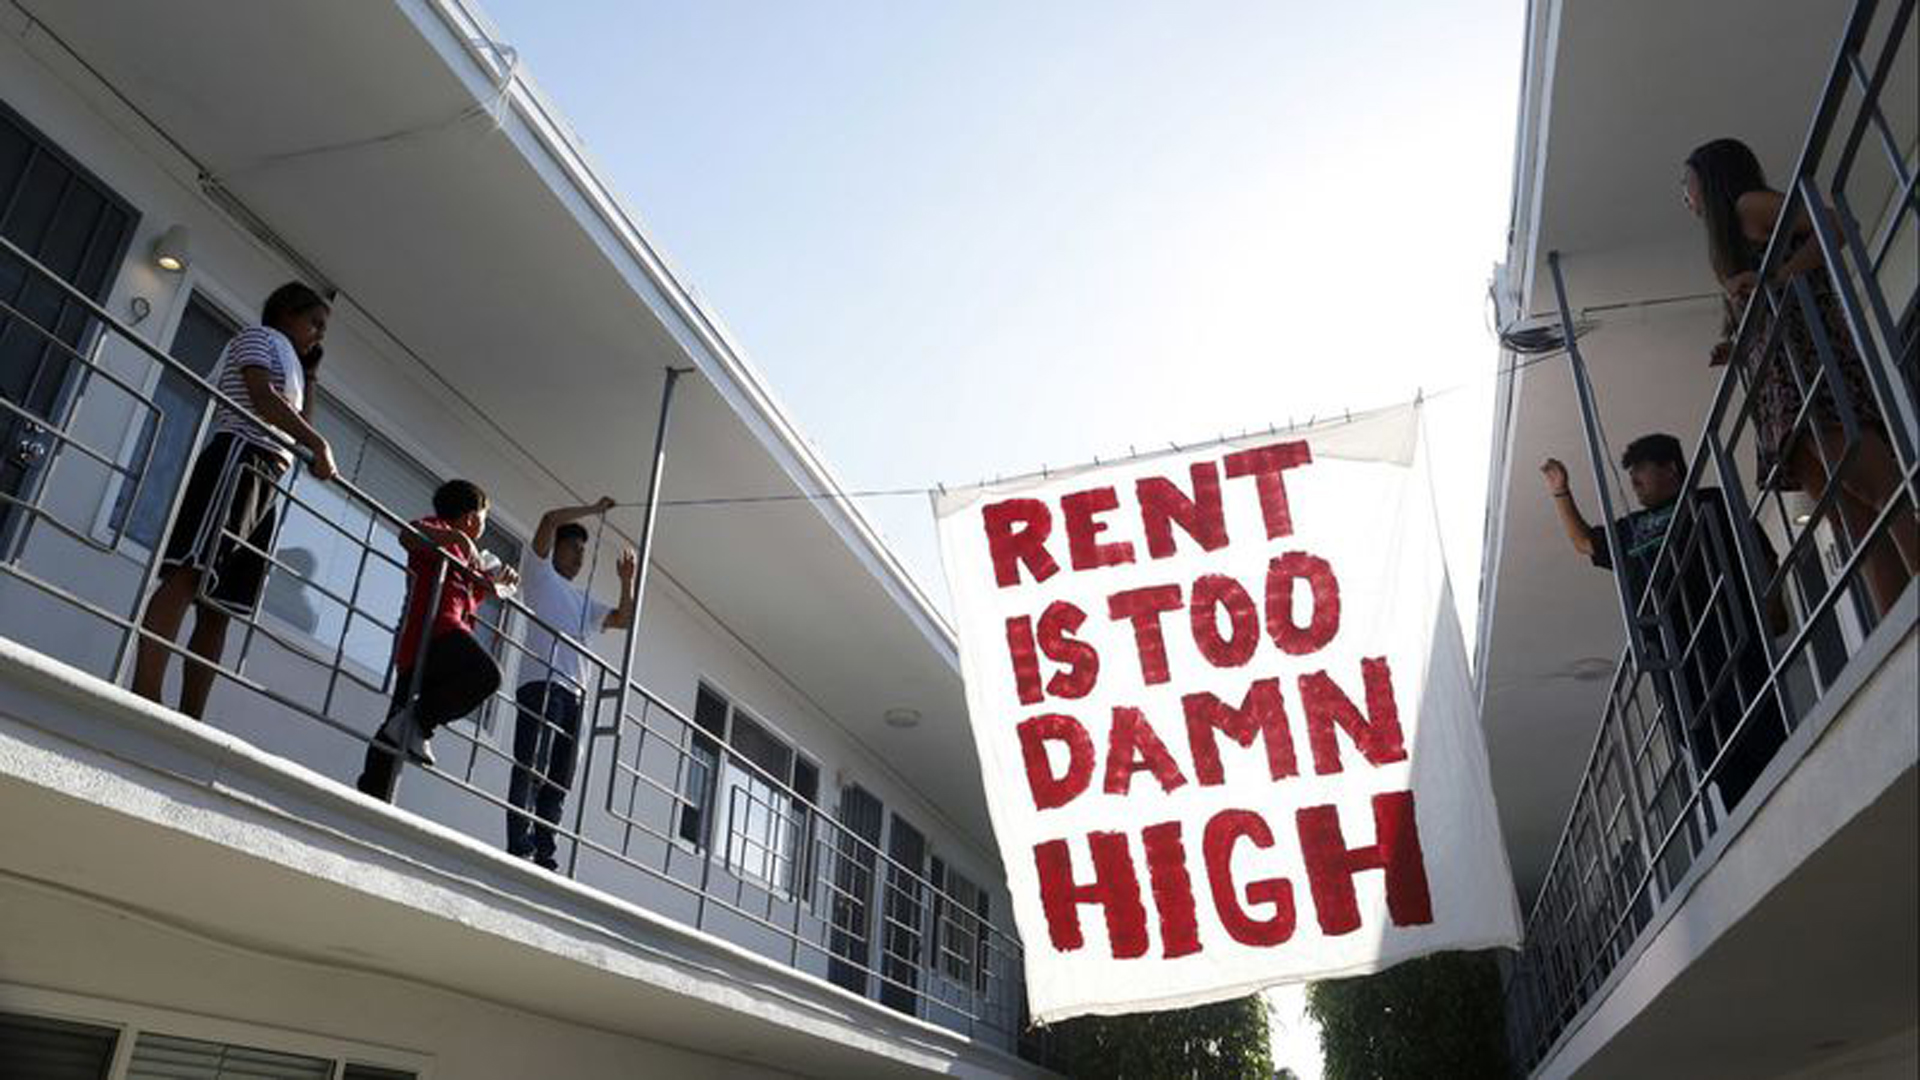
(1732, 644)
(767, 867)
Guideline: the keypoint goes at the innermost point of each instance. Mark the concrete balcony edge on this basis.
(1856, 744)
(83, 739)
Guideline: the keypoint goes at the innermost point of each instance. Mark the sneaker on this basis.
(417, 747)
(403, 732)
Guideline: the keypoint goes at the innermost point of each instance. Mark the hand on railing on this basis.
(1740, 286)
(319, 457)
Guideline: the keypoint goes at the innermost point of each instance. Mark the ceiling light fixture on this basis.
(173, 250)
(903, 718)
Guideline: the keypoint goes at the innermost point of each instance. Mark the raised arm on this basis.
(622, 617)
(1579, 533)
(560, 515)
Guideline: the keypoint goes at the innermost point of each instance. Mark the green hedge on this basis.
(1228, 1040)
(1439, 1016)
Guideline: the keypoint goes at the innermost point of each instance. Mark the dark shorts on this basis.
(230, 495)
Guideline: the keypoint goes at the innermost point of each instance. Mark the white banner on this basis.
(1224, 720)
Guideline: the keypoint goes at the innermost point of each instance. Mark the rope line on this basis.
(1419, 398)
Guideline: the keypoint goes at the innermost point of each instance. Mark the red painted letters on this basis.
(1260, 715)
(1396, 849)
(1049, 790)
(1115, 888)
(1266, 464)
(1377, 734)
(1017, 534)
(1223, 831)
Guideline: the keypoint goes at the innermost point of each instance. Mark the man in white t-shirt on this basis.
(554, 678)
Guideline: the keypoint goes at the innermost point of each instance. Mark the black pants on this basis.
(1741, 759)
(457, 678)
(545, 731)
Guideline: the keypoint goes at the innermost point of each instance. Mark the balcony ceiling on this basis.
(478, 251)
(1621, 91)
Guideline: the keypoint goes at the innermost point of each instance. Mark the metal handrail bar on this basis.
(728, 757)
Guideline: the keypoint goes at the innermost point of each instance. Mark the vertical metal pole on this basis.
(645, 558)
(150, 570)
(1597, 456)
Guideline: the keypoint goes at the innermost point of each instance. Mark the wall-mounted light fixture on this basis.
(173, 250)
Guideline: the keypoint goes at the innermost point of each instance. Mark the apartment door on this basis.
(905, 921)
(166, 440)
(71, 223)
(853, 885)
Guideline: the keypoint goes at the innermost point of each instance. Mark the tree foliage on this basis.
(1227, 1040)
(1438, 1016)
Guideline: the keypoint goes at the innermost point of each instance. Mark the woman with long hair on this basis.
(1727, 190)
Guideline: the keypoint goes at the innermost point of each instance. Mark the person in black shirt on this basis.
(1711, 635)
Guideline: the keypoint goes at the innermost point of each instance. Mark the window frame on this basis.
(973, 979)
(104, 529)
(716, 795)
(130, 1019)
(221, 299)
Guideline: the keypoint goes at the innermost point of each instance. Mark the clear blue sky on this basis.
(968, 238)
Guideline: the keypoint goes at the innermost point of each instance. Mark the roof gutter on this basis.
(1513, 288)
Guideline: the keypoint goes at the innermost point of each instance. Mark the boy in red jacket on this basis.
(456, 674)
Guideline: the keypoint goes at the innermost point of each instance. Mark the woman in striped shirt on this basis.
(217, 554)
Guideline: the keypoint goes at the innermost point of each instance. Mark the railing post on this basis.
(150, 572)
(1597, 456)
(645, 559)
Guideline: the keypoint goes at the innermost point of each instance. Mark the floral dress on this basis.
(1779, 374)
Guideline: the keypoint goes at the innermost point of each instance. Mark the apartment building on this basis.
(775, 860)
(1717, 854)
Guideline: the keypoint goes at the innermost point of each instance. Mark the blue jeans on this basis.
(544, 733)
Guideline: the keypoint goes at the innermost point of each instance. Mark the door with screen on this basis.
(166, 440)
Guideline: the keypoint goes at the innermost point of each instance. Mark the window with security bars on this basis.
(47, 1049)
(768, 832)
(960, 924)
